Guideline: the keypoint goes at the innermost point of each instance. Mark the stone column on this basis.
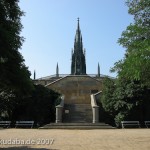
(59, 110)
(95, 114)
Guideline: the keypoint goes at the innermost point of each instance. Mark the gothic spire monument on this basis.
(77, 88)
(78, 64)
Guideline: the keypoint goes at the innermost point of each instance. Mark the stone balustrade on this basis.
(95, 107)
(59, 110)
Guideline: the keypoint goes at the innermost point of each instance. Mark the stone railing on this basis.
(59, 110)
(95, 107)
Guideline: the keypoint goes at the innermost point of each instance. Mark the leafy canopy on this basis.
(127, 96)
(136, 39)
(14, 75)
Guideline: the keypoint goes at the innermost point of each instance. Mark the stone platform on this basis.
(77, 126)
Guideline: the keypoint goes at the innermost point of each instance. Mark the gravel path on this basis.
(53, 139)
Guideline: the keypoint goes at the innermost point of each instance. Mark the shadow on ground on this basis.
(25, 148)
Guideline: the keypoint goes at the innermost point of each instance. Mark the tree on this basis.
(40, 106)
(128, 96)
(14, 75)
(136, 39)
(107, 96)
(125, 99)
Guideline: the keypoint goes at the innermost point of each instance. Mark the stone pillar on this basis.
(95, 114)
(59, 110)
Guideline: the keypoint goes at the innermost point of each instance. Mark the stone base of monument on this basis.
(77, 126)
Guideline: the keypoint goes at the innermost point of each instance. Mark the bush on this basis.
(40, 106)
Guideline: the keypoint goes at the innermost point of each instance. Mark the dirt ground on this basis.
(53, 139)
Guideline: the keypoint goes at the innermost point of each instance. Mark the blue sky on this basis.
(49, 31)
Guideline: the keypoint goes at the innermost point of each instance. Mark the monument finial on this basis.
(98, 73)
(57, 70)
(78, 24)
(34, 75)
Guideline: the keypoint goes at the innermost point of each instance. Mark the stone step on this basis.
(78, 105)
(77, 126)
(78, 113)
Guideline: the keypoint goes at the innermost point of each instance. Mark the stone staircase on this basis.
(77, 113)
(77, 116)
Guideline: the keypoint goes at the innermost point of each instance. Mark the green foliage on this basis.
(122, 96)
(14, 76)
(39, 106)
(136, 39)
(127, 97)
(118, 118)
(58, 101)
(107, 96)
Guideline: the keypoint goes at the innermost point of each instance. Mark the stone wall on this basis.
(77, 89)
